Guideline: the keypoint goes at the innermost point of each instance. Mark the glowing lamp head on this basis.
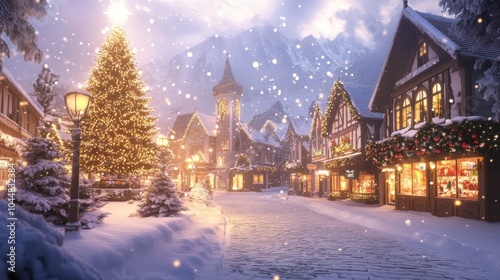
(77, 103)
(162, 141)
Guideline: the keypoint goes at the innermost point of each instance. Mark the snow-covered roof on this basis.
(435, 34)
(182, 122)
(438, 29)
(360, 98)
(13, 81)
(301, 126)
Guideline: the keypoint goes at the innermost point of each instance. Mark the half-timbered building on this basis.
(347, 127)
(440, 152)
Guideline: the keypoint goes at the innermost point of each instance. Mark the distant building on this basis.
(192, 139)
(222, 149)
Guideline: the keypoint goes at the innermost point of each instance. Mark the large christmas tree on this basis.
(118, 134)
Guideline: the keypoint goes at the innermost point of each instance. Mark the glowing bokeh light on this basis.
(117, 13)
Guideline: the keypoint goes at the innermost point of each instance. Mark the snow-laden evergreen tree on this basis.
(161, 198)
(14, 21)
(90, 205)
(42, 181)
(199, 193)
(479, 21)
(43, 87)
(119, 130)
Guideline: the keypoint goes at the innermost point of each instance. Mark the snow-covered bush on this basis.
(199, 193)
(161, 198)
(38, 250)
(42, 181)
(90, 204)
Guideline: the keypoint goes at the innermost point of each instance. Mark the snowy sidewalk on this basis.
(132, 248)
(476, 241)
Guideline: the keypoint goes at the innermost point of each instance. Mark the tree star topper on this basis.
(117, 13)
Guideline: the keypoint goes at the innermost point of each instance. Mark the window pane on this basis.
(446, 178)
(468, 177)
(367, 183)
(436, 100)
(405, 175)
(419, 179)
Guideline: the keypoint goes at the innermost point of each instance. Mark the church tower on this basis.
(227, 94)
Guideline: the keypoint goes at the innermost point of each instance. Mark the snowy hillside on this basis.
(268, 65)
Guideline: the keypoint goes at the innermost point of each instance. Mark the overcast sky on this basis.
(74, 30)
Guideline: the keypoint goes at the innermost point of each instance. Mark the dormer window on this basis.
(423, 55)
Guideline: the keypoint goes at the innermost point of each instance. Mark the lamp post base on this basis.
(70, 227)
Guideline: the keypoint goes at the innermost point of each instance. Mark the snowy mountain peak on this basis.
(269, 66)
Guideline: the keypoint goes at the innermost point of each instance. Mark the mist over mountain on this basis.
(269, 66)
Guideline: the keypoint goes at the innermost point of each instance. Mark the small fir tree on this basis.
(199, 193)
(42, 181)
(90, 204)
(43, 87)
(161, 198)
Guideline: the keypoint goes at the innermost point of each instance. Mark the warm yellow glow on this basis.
(176, 263)
(458, 202)
(117, 13)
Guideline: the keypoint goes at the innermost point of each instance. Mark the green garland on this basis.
(338, 91)
(458, 138)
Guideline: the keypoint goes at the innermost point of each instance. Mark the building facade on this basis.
(440, 148)
(347, 126)
(19, 118)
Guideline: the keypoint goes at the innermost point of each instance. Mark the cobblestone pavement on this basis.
(269, 238)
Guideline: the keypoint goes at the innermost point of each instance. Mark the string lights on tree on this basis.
(120, 129)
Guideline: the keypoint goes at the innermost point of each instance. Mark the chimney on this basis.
(405, 4)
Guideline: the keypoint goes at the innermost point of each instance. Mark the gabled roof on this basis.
(301, 126)
(183, 122)
(258, 136)
(438, 30)
(356, 98)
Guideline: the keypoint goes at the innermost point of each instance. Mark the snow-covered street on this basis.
(274, 236)
(270, 235)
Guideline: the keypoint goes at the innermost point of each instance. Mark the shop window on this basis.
(437, 97)
(406, 113)
(457, 178)
(420, 106)
(339, 183)
(258, 179)
(413, 179)
(365, 184)
(237, 182)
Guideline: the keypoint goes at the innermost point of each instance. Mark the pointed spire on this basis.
(228, 73)
(405, 4)
(228, 84)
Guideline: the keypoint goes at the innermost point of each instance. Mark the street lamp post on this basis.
(162, 142)
(196, 159)
(77, 105)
